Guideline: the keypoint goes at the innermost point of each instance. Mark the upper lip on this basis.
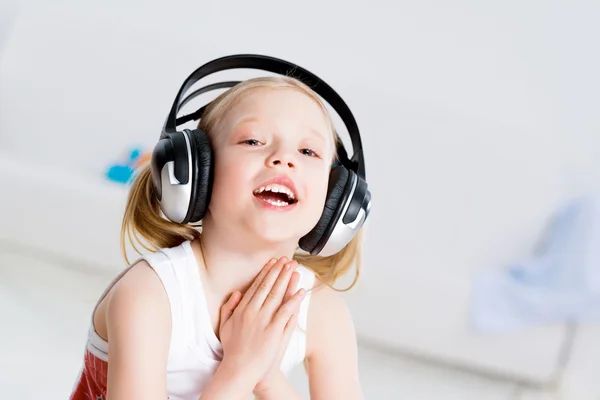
(281, 180)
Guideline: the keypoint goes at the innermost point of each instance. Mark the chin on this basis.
(277, 232)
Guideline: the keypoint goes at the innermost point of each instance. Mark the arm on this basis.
(332, 351)
(138, 318)
(227, 384)
(280, 389)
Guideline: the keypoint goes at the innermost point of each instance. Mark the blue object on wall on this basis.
(124, 172)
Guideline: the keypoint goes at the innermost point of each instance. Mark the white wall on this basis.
(477, 120)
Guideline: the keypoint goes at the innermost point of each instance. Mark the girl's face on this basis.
(273, 155)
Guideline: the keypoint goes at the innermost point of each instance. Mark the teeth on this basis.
(276, 188)
(278, 203)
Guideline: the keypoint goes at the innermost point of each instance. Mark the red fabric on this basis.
(92, 383)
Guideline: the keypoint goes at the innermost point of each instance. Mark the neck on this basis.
(231, 260)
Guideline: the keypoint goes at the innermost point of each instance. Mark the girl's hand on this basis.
(254, 328)
(275, 372)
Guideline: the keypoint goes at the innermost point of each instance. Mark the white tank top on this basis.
(195, 352)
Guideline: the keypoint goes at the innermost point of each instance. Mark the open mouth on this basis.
(276, 195)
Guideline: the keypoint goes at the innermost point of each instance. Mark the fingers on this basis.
(287, 334)
(275, 297)
(289, 329)
(287, 310)
(229, 306)
(291, 289)
(250, 292)
(272, 287)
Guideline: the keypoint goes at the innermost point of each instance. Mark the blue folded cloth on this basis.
(559, 283)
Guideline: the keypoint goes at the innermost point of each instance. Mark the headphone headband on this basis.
(276, 66)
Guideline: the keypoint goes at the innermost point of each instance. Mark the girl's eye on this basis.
(251, 142)
(309, 152)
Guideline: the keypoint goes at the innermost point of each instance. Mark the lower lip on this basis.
(270, 206)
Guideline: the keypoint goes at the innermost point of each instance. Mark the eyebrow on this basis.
(232, 125)
(317, 133)
(248, 118)
(306, 128)
(251, 118)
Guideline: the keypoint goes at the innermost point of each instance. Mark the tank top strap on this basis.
(296, 351)
(177, 267)
(169, 265)
(202, 338)
(307, 282)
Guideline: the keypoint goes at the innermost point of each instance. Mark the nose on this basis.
(281, 158)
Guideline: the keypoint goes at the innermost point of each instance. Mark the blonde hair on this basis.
(143, 221)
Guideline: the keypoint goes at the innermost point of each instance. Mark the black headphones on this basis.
(182, 161)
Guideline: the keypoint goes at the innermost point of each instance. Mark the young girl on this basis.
(226, 311)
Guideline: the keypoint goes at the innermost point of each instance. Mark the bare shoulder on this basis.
(332, 359)
(140, 281)
(136, 289)
(139, 297)
(138, 327)
(328, 316)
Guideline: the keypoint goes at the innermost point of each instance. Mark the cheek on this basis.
(318, 193)
(230, 182)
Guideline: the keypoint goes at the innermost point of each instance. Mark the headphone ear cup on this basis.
(202, 175)
(337, 193)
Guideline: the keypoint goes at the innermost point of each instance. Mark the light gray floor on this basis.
(44, 314)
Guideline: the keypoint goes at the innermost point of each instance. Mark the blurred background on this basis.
(481, 128)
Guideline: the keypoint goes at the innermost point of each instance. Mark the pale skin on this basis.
(253, 304)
